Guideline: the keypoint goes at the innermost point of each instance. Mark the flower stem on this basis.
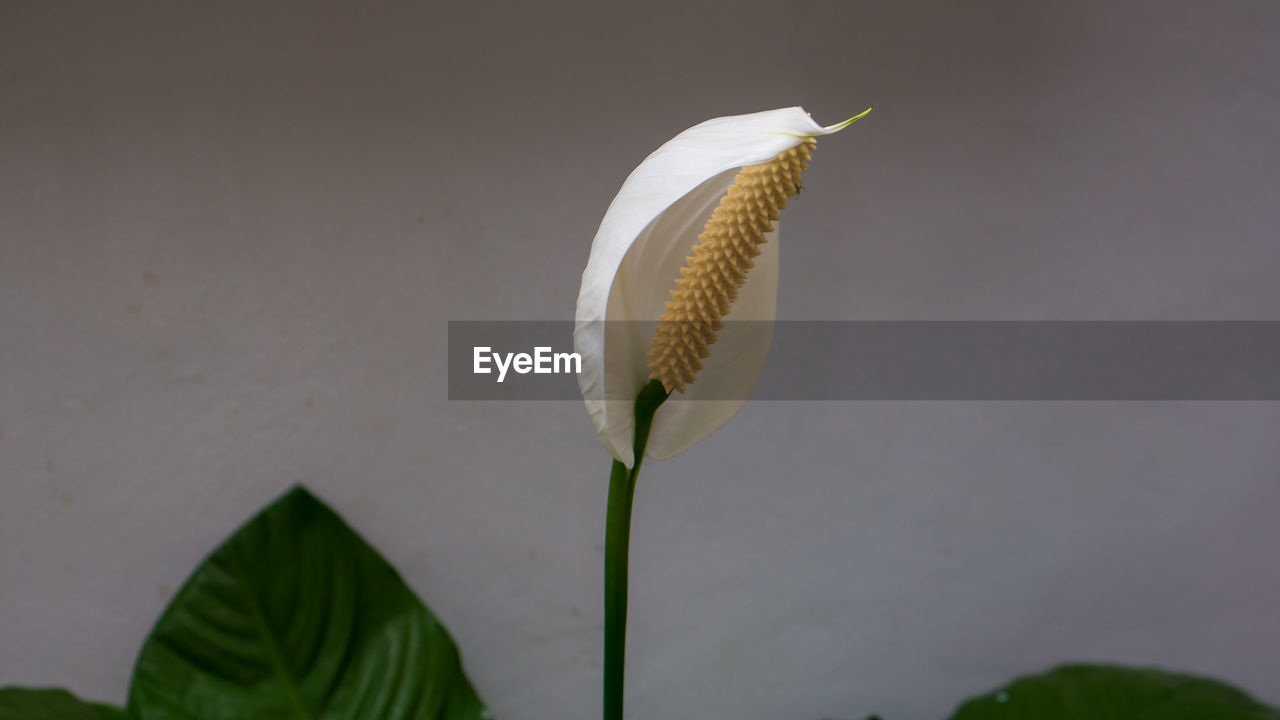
(617, 537)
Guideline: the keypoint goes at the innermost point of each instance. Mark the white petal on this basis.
(652, 224)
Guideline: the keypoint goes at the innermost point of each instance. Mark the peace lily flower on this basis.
(690, 240)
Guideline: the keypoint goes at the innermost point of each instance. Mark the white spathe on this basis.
(650, 227)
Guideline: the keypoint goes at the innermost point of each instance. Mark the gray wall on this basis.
(231, 236)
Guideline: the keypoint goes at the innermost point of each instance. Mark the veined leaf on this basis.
(1105, 692)
(20, 703)
(295, 616)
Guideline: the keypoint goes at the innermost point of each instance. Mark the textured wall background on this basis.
(231, 236)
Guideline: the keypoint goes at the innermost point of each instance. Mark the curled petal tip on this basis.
(847, 123)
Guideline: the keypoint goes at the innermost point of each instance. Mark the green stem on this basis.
(617, 536)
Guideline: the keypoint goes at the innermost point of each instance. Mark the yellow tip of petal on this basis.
(847, 123)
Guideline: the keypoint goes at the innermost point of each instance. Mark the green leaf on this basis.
(19, 703)
(295, 616)
(1107, 692)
